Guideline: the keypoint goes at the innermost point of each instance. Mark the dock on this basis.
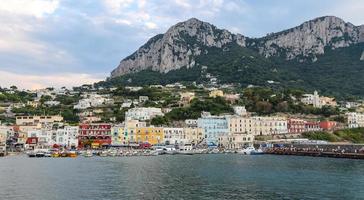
(316, 153)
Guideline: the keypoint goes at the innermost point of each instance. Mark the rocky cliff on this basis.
(311, 38)
(185, 41)
(177, 47)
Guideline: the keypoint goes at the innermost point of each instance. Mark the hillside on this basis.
(326, 54)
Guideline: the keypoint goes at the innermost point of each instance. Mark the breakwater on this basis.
(323, 150)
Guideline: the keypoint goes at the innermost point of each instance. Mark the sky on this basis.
(68, 43)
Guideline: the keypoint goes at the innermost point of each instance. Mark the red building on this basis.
(296, 126)
(327, 125)
(94, 135)
(312, 126)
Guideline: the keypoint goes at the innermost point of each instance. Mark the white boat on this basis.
(247, 151)
(87, 154)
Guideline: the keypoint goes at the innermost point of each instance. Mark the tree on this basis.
(13, 87)
(263, 107)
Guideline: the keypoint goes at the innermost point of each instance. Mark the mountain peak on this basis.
(184, 42)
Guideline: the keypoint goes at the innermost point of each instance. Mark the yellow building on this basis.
(118, 135)
(216, 93)
(33, 120)
(33, 104)
(151, 135)
(194, 135)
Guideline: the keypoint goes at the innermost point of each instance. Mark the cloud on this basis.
(58, 38)
(36, 8)
(26, 81)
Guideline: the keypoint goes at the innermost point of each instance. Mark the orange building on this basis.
(328, 125)
(151, 135)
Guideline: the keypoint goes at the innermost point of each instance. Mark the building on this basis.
(93, 100)
(143, 98)
(194, 135)
(239, 124)
(296, 126)
(33, 120)
(232, 98)
(67, 136)
(216, 93)
(240, 110)
(317, 101)
(150, 135)
(269, 126)
(328, 125)
(213, 127)
(311, 99)
(186, 98)
(130, 130)
(52, 103)
(4, 132)
(355, 120)
(41, 139)
(312, 126)
(236, 141)
(94, 135)
(143, 113)
(118, 135)
(191, 122)
(175, 136)
(33, 104)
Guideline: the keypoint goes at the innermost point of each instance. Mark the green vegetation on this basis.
(355, 135)
(338, 72)
(321, 135)
(215, 106)
(263, 101)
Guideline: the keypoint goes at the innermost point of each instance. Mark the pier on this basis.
(328, 150)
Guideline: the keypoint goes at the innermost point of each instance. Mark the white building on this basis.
(191, 122)
(240, 110)
(94, 100)
(67, 136)
(312, 99)
(175, 136)
(44, 136)
(143, 113)
(355, 120)
(317, 101)
(52, 103)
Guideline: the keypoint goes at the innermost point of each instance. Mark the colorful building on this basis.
(328, 125)
(214, 127)
(94, 135)
(150, 135)
(296, 126)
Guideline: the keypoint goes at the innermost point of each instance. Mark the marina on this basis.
(201, 176)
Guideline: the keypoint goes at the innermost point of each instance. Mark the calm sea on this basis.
(181, 177)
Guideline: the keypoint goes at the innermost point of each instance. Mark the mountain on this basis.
(189, 50)
(177, 47)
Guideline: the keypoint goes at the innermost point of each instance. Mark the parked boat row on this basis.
(154, 151)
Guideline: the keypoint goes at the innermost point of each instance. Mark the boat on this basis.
(88, 154)
(257, 152)
(55, 154)
(187, 152)
(48, 154)
(247, 150)
(31, 154)
(72, 154)
(103, 153)
(39, 154)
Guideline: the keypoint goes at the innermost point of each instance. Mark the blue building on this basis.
(214, 127)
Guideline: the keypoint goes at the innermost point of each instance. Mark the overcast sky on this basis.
(71, 42)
